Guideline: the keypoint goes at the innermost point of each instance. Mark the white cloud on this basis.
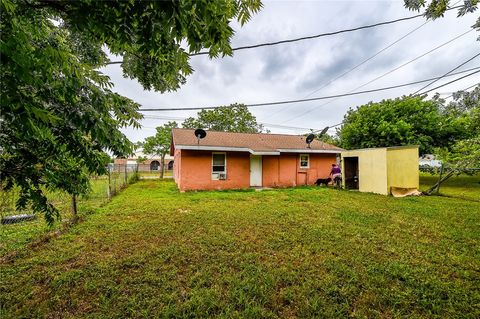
(291, 71)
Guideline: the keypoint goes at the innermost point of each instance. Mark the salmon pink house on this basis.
(224, 160)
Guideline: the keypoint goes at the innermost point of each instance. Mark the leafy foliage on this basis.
(59, 115)
(159, 144)
(436, 8)
(329, 139)
(401, 121)
(232, 118)
(464, 110)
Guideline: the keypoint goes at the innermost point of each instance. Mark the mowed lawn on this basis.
(303, 252)
(462, 186)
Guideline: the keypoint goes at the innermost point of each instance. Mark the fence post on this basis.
(109, 191)
(126, 176)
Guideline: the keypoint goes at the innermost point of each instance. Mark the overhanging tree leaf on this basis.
(58, 113)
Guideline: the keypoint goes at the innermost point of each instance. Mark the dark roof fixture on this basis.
(323, 131)
(310, 139)
(200, 133)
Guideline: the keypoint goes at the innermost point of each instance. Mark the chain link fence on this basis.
(18, 228)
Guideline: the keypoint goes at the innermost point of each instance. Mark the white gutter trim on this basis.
(309, 151)
(264, 153)
(224, 149)
(212, 148)
(245, 149)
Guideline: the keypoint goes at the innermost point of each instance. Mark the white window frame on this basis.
(215, 175)
(300, 160)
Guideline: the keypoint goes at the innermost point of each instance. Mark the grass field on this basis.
(291, 253)
(155, 174)
(462, 186)
(17, 236)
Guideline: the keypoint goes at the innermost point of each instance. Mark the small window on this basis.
(304, 161)
(218, 163)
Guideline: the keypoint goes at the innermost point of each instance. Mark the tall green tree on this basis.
(159, 144)
(464, 110)
(232, 118)
(58, 113)
(401, 121)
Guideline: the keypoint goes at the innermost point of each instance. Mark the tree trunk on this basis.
(74, 207)
(162, 165)
(428, 192)
(439, 179)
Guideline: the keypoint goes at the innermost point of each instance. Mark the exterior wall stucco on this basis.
(193, 169)
(403, 168)
(383, 168)
(372, 169)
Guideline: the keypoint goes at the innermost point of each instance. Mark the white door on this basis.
(255, 170)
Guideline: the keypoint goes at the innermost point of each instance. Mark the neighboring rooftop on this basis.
(252, 142)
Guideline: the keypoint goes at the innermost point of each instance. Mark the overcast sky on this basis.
(295, 70)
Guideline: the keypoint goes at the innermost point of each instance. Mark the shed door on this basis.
(255, 170)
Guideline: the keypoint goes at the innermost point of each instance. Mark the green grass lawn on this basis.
(155, 174)
(462, 186)
(17, 236)
(290, 253)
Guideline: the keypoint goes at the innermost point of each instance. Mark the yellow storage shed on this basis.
(377, 170)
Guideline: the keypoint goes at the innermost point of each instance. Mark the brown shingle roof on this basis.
(257, 142)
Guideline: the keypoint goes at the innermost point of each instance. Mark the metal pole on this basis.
(109, 191)
(126, 176)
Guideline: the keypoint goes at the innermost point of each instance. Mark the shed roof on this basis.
(255, 143)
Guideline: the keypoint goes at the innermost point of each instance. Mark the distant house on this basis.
(429, 160)
(224, 160)
(152, 163)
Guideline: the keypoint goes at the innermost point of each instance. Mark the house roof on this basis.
(255, 143)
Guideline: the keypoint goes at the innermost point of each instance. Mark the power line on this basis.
(300, 100)
(366, 60)
(373, 56)
(320, 35)
(457, 67)
(415, 59)
(356, 66)
(464, 90)
(154, 117)
(387, 73)
(460, 78)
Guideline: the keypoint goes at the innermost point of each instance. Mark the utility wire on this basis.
(373, 56)
(355, 67)
(385, 74)
(460, 78)
(301, 100)
(155, 117)
(366, 60)
(415, 59)
(464, 90)
(320, 35)
(457, 67)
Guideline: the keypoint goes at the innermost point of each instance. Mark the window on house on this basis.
(304, 161)
(219, 163)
